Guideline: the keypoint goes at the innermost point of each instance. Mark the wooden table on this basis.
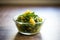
(50, 29)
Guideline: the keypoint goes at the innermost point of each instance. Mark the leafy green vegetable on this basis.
(31, 18)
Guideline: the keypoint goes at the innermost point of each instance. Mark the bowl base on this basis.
(28, 33)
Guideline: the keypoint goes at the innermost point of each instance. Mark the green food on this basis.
(32, 22)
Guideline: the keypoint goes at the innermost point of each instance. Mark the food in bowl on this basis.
(28, 23)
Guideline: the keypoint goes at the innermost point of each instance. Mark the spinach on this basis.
(25, 18)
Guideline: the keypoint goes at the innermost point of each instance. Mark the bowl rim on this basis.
(14, 19)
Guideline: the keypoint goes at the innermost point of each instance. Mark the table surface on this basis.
(50, 29)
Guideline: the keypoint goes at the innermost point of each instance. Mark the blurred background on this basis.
(30, 2)
(49, 9)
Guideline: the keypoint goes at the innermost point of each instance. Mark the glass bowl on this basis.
(27, 28)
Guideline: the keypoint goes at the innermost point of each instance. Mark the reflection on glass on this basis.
(26, 37)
